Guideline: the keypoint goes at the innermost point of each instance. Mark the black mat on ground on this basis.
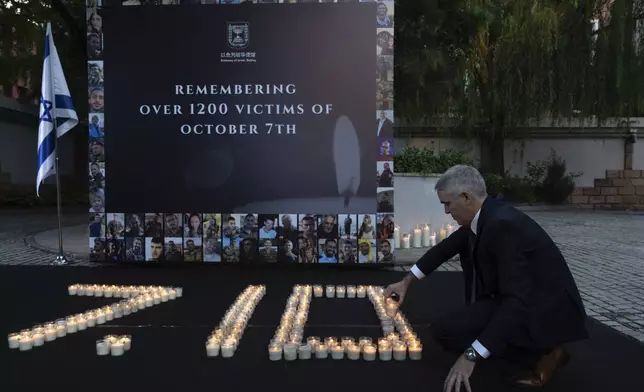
(168, 340)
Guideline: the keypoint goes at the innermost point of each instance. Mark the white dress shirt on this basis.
(477, 346)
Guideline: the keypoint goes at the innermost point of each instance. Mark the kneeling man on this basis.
(522, 302)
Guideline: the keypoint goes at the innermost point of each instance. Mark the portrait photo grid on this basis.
(206, 237)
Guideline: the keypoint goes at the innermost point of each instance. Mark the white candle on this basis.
(72, 325)
(321, 351)
(397, 237)
(25, 343)
(391, 307)
(102, 347)
(227, 350)
(426, 236)
(304, 351)
(405, 241)
(330, 291)
(164, 296)
(109, 314)
(212, 348)
(39, 339)
(108, 292)
(415, 352)
(117, 349)
(73, 289)
(156, 298)
(351, 291)
(400, 352)
(450, 229)
(118, 311)
(369, 352)
(140, 304)
(50, 334)
(149, 301)
(127, 342)
(362, 292)
(100, 317)
(91, 319)
(82, 323)
(318, 291)
(340, 291)
(432, 240)
(290, 351)
(179, 291)
(98, 291)
(442, 234)
(127, 310)
(417, 237)
(14, 340)
(384, 352)
(274, 352)
(353, 352)
(337, 352)
(61, 330)
(172, 294)
(89, 291)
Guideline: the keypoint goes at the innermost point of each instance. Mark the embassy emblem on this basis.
(238, 34)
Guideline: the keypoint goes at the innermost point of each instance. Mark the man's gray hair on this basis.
(462, 178)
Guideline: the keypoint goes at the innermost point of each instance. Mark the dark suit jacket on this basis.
(387, 127)
(518, 265)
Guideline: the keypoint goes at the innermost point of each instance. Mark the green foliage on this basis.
(424, 161)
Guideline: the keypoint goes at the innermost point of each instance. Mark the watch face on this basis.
(470, 354)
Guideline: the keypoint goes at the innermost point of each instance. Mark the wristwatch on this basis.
(471, 355)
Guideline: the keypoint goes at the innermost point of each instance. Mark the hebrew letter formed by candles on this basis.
(289, 334)
(132, 299)
(225, 338)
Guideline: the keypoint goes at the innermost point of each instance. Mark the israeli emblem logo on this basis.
(238, 34)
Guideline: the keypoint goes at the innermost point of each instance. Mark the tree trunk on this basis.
(492, 152)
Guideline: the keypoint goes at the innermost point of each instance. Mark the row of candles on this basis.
(422, 237)
(288, 344)
(114, 345)
(225, 338)
(113, 291)
(332, 291)
(144, 297)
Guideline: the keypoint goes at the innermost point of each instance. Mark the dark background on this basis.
(326, 50)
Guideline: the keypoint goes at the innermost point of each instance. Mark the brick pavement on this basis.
(605, 252)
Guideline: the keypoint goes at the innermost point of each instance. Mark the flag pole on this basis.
(60, 259)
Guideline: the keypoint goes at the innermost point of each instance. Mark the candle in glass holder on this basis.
(442, 234)
(38, 339)
(340, 291)
(227, 350)
(72, 325)
(172, 294)
(337, 352)
(417, 237)
(149, 301)
(313, 341)
(321, 351)
(108, 291)
(353, 351)
(109, 313)
(351, 291)
(156, 299)
(25, 342)
(127, 310)
(82, 323)
(118, 311)
(384, 350)
(415, 351)
(73, 289)
(393, 337)
(400, 351)
(432, 239)
(212, 348)
(330, 291)
(290, 351)
(391, 307)
(102, 347)
(164, 296)
(361, 292)
(405, 241)
(61, 330)
(426, 236)
(304, 351)
(330, 341)
(369, 352)
(274, 352)
(89, 291)
(318, 291)
(117, 348)
(50, 333)
(14, 340)
(346, 340)
(364, 340)
(100, 317)
(127, 342)
(397, 237)
(91, 319)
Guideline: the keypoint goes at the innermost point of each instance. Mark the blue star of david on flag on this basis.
(46, 107)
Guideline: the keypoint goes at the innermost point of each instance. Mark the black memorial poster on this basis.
(261, 108)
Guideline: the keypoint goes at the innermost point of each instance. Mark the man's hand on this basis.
(458, 375)
(399, 288)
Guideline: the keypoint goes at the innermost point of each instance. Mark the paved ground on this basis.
(605, 252)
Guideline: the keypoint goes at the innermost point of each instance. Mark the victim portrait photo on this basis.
(385, 174)
(386, 148)
(348, 226)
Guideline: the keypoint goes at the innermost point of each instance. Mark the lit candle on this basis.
(149, 301)
(89, 291)
(337, 352)
(364, 340)
(330, 291)
(117, 349)
(442, 234)
(304, 351)
(369, 352)
(426, 236)
(82, 323)
(72, 325)
(91, 319)
(274, 352)
(140, 303)
(212, 348)
(100, 317)
(164, 296)
(127, 342)
(127, 310)
(405, 241)
(340, 291)
(108, 291)
(81, 289)
(432, 240)
(318, 291)
(417, 237)
(290, 351)
(25, 343)
(391, 307)
(50, 334)
(61, 330)
(384, 350)
(73, 289)
(14, 340)
(156, 298)
(109, 314)
(415, 351)
(118, 311)
(397, 237)
(362, 292)
(400, 351)
(98, 291)
(179, 291)
(38, 338)
(227, 350)
(351, 291)
(353, 351)
(321, 351)
(172, 294)
(102, 347)
(313, 342)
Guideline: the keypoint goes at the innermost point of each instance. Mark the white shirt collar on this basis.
(475, 222)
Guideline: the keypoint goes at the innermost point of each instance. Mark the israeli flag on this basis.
(55, 106)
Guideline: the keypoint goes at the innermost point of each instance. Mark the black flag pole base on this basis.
(61, 260)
